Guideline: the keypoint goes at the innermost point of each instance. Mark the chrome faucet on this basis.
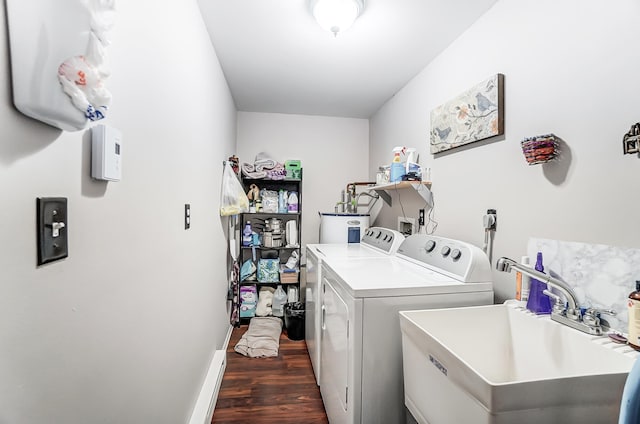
(571, 314)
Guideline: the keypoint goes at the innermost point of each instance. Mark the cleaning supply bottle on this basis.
(538, 302)
(412, 165)
(282, 201)
(292, 202)
(633, 305)
(279, 299)
(397, 168)
(247, 234)
(523, 282)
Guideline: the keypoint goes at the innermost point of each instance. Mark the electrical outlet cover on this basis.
(406, 226)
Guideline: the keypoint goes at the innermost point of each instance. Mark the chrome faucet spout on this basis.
(587, 322)
(505, 265)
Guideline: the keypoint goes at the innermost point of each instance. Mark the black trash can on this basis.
(294, 320)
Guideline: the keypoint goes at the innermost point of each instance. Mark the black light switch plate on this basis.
(52, 229)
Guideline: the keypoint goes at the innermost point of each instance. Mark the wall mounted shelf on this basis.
(423, 188)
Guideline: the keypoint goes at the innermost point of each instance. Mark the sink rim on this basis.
(503, 395)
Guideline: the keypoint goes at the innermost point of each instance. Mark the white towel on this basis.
(264, 162)
(262, 339)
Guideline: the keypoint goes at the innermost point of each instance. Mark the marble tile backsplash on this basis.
(602, 276)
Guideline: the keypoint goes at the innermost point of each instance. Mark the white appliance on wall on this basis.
(377, 242)
(343, 227)
(361, 346)
(106, 153)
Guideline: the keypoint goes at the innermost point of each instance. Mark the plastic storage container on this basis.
(294, 320)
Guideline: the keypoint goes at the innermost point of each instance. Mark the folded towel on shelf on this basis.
(262, 338)
(249, 171)
(263, 167)
(263, 162)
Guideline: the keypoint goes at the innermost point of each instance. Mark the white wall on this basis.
(333, 152)
(570, 69)
(123, 329)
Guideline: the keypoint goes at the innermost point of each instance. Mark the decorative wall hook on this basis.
(631, 140)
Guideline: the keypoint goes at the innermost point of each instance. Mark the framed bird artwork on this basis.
(476, 114)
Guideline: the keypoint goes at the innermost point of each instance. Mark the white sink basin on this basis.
(498, 364)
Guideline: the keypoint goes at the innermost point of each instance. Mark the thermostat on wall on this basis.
(106, 153)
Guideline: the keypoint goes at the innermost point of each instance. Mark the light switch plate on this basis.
(187, 216)
(52, 229)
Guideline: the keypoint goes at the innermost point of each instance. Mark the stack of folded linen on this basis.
(264, 167)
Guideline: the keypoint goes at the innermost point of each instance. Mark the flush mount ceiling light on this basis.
(336, 15)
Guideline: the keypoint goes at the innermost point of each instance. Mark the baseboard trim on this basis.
(206, 403)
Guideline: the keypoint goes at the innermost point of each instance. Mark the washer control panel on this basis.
(383, 239)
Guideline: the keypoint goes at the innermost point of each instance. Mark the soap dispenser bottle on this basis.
(538, 302)
(634, 317)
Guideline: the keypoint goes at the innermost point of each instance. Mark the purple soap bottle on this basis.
(538, 302)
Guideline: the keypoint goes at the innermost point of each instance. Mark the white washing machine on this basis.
(361, 344)
(376, 242)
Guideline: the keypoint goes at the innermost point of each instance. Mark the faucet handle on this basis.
(591, 316)
(596, 311)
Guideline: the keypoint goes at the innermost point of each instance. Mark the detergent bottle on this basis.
(279, 299)
(247, 234)
(292, 202)
(282, 201)
(397, 168)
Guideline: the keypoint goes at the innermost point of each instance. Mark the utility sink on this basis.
(501, 364)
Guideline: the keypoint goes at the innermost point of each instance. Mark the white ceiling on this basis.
(276, 58)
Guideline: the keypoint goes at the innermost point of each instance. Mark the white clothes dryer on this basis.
(376, 242)
(361, 344)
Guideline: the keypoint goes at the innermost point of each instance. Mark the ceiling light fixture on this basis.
(336, 15)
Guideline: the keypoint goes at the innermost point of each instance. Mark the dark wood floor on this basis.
(269, 390)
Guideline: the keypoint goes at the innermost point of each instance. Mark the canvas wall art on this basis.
(476, 114)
